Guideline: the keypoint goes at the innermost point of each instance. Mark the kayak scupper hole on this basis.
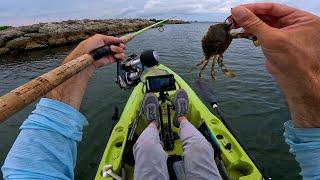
(214, 121)
(241, 169)
(119, 144)
(119, 129)
(219, 136)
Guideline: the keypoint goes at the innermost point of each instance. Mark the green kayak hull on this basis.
(237, 163)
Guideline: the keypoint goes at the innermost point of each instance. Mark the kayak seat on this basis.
(176, 167)
(179, 171)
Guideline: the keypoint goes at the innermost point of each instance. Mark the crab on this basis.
(215, 42)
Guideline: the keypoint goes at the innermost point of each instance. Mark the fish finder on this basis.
(160, 83)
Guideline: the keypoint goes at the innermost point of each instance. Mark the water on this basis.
(251, 101)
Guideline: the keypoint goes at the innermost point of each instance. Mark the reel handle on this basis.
(102, 51)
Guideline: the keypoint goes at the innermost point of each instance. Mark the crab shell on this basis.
(216, 40)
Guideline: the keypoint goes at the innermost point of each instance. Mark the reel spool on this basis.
(130, 71)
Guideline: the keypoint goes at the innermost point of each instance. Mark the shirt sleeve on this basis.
(46, 147)
(305, 145)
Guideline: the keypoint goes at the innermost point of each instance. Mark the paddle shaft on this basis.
(22, 96)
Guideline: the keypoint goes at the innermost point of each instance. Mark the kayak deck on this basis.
(118, 151)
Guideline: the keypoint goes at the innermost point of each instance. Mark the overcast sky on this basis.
(22, 12)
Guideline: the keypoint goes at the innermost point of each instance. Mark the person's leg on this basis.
(150, 158)
(198, 153)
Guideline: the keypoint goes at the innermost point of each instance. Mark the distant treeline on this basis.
(155, 20)
(4, 27)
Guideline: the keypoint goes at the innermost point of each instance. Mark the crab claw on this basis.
(233, 24)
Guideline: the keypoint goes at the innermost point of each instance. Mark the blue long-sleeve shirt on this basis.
(305, 145)
(46, 147)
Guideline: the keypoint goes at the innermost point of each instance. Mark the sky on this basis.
(25, 12)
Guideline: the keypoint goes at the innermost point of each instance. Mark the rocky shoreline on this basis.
(43, 35)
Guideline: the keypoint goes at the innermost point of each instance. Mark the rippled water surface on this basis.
(252, 101)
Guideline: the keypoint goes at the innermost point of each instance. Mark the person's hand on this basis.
(290, 41)
(95, 42)
(72, 91)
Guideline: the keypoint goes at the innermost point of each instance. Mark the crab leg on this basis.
(206, 61)
(198, 64)
(213, 72)
(202, 62)
(244, 35)
(225, 71)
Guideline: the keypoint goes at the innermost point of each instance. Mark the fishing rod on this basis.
(22, 96)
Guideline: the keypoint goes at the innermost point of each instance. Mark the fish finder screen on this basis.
(160, 83)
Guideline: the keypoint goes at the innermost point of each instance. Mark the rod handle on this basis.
(20, 97)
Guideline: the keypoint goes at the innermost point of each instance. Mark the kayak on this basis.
(118, 163)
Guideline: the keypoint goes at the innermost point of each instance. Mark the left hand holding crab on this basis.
(290, 41)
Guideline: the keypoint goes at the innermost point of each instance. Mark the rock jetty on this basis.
(43, 35)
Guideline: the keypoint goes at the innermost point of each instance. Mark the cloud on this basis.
(17, 12)
(214, 10)
(216, 6)
(189, 6)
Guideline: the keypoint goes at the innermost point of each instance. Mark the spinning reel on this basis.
(130, 71)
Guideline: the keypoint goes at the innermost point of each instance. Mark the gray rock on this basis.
(37, 36)
(77, 37)
(57, 40)
(2, 42)
(4, 50)
(52, 29)
(35, 45)
(29, 29)
(57, 33)
(9, 34)
(18, 43)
